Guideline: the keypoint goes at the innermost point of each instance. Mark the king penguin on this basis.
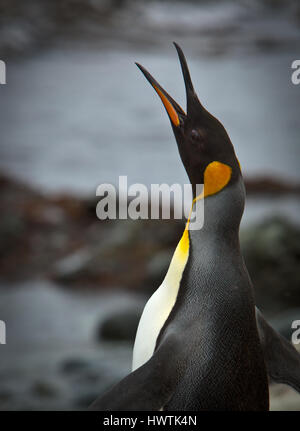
(201, 344)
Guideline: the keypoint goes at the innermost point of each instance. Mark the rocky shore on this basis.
(60, 238)
(73, 287)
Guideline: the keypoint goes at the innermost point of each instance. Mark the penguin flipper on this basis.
(281, 358)
(150, 386)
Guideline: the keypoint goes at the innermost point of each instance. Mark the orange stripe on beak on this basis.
(169, 107)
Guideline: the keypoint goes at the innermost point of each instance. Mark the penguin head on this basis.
(204, 145)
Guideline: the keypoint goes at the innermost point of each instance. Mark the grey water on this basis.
(73, 119)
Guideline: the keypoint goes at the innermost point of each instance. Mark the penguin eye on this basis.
(195, 135)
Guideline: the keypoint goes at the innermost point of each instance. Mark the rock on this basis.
(284, 398)
(119, 326)
(5, 395)
(270, 186)
(75, 366)
(131, 254)
(70, 267)
(84, 401)
(272, 255)
(43, 389)
(89, 377)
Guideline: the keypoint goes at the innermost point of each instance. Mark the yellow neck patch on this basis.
(183, 245)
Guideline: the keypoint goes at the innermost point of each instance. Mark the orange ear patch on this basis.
(216, 176)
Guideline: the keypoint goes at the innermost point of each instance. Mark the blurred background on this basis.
(75, 113)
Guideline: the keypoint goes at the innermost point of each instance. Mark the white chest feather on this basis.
(160, 305)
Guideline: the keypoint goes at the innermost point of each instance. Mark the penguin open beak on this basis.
(193, 104)
(174, 111)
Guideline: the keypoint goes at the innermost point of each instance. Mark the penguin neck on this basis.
(219, 235)
(222, 214)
